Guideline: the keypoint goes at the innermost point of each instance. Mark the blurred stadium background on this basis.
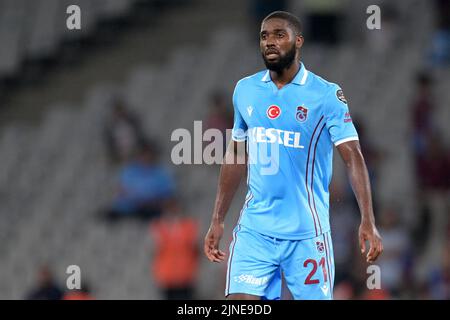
(76, 105)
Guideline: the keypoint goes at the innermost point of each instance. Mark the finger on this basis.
(222, 257)
(209, 251)
(370, 254)
(378, 251)
(210, 256)
(218, 258)
(372, 249)
(206, 249)
(362, 243)
(219, 254)
(215, 255)
(374, 257)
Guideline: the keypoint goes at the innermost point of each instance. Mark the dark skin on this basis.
(277, 37)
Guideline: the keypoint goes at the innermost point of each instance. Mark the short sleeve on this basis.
(338, 120)
(239, 132)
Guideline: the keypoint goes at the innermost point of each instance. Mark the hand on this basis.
(212, 240)
(368, 231)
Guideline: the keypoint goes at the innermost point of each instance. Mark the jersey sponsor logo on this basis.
(340, 96)
(302, 114)
(250, 279)
(272, 135)
(273, 112)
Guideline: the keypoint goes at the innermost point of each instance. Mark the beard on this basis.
(284, 61)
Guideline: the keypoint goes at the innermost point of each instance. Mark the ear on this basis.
(299, 41)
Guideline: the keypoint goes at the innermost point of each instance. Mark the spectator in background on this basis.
(82, 294)
(176, 260)
(433, 166)
(144, 186)
(439, 280)
(422, 112)
(433, 172)
(381, 41)
(359, 277)
(440, 43)
(344, 290)
(123, 133)
(376, 294)
(356, 288)
(220, 116)
(259, 9)
(46, 288)
(373, 157)
(396, 247)
(343, 218)
(324, 21)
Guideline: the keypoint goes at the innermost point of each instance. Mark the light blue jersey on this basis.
(290, 133)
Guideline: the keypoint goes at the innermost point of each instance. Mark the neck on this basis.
(286, 75)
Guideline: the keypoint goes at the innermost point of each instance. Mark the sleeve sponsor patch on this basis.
(340, 96)
(347, 117)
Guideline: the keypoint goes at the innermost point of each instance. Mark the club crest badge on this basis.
(302, 114)
(320, 246)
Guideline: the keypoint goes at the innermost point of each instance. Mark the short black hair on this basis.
(293, 20)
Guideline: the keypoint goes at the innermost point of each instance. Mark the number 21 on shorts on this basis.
(309, 279)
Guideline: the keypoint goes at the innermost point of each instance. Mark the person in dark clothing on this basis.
(46, 289)
(123, 133)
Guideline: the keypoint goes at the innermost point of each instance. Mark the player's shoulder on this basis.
(330, 90)
(319, 83)
(251, 80)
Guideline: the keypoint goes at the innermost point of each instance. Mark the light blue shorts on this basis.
(256, 263)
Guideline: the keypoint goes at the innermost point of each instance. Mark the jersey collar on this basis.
(299, 79)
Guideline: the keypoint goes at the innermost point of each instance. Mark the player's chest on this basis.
(284, 109)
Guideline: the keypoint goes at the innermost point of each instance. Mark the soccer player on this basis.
(287, 119)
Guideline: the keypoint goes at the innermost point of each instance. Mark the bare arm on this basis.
(359, 180)
(231, 173)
